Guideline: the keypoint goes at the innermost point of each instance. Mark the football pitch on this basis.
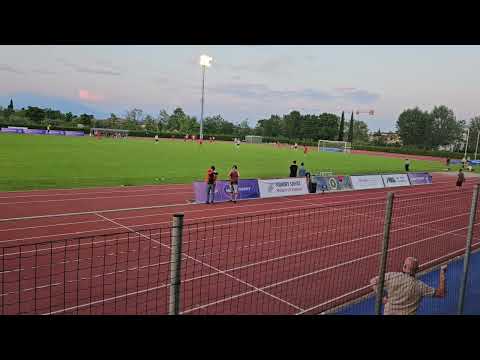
(40, 162)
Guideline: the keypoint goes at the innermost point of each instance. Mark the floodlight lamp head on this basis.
(205, 60)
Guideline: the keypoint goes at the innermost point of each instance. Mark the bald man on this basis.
(404, 291)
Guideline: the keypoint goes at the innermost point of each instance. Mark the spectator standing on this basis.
(211, 182)
(405, 292)
(293, 169)
(460, 179)
(234, 176)
(301, 170)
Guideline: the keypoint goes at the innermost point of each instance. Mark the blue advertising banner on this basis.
(420, 178)
(34, 131)
(74, 133)
(56, 132)
(332, 183)
(247, 189)
(11, 130)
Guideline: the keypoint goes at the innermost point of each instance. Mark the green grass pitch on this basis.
(40, 162)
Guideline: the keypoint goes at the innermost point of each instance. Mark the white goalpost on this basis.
(334, 146)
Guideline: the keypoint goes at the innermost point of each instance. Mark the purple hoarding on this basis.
(34, 131)
(14, 131)
(56, 132)
(74, 133)
(247, 189)
(420, 178)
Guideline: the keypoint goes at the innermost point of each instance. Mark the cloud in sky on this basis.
(89, 96)
(44, 72)
(261, 92)
(90, 70)
(10, 69)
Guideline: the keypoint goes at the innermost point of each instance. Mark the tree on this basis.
(350, 130)
(429, 130)
(35, 114)
(328, 126)
(243, 129)
(132, 118)
(474, 127)
(414, 128)
(68, 117)
(10, 106)
(162, 119)
(86, 120)
(342, 126)
(174, 120)
(445, 128)
(150, 123)
(291, 125)
(360, 131)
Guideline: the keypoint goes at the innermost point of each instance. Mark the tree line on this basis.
(297, 126)
(430, 129)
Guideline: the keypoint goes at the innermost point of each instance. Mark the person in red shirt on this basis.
(305, 150)
(233, 176)
(211, 182)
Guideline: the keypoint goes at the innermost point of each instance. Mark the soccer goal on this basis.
(252, 139)
(334, 146)
(116, 133)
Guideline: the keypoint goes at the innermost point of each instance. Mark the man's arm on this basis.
(440, 291)
(374, 283)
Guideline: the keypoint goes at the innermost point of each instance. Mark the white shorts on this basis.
(234, 188)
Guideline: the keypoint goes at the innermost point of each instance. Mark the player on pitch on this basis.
(233, 176)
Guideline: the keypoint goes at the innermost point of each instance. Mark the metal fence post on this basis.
(175, 264)
(468, 247)
(384, 255)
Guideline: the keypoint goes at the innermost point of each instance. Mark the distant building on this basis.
(388, 138)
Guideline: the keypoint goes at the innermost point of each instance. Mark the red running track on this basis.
(302, 254)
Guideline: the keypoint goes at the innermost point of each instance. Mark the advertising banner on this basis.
(74, 133)
(322, 183)
(34, 131)
(56, 132)
(14, 131)
(420, 178)
(367, 182)
(247, 189)
(332, 183)
(394, 180)
(283, 187)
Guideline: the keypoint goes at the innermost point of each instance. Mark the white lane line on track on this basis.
(448, 256)
(219, 217)
(126, 191)
(93, 189)
(88, 198)
(210, 266)
(370, 191)
(314, 273)
(151, 215)
(299, 253)
(285, 200)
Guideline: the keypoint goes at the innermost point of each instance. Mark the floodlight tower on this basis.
(205, 61)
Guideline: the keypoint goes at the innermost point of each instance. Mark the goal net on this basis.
(252, 139)
(115, 133)
(334, 146)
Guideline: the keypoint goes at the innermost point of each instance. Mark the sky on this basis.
(244, 82)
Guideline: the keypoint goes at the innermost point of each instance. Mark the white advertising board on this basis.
(394, 180)
(367, 182)
(282, 187)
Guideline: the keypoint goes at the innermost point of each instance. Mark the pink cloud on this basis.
(89, 96)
